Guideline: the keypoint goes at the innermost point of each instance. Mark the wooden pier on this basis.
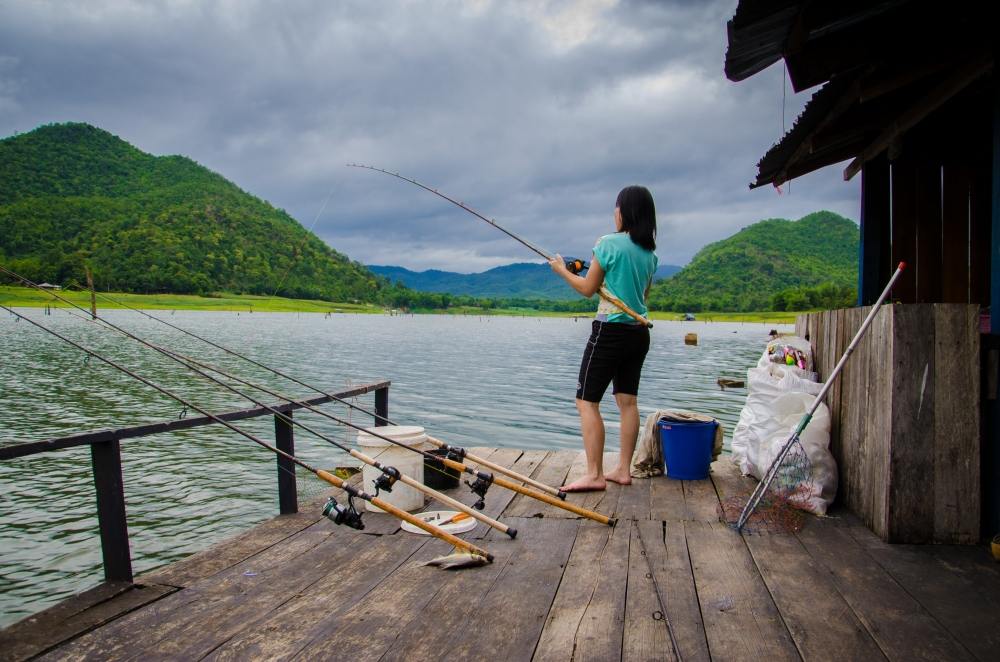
(669, 577)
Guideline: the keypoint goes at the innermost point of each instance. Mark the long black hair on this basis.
(638, 215)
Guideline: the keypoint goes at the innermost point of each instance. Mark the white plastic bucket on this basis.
(409, 463)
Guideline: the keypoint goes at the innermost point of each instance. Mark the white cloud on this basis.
(534, 113)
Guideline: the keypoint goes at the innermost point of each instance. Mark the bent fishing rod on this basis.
(457, 452)
(390, 475)
(482, 480)
(348, 515)
(603, 292)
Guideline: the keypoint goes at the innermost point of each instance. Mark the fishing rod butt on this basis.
(561, 495)
(612, 522)
(512, 532)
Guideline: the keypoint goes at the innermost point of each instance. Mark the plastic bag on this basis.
(791, 351)
(778, 397)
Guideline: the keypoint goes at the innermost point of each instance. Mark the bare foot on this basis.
(585, 484)
(620, 476)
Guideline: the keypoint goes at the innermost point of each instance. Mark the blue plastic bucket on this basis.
(687, 448)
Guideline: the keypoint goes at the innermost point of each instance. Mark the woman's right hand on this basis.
(558, 264)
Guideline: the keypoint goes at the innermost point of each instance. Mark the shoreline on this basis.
(23, 297)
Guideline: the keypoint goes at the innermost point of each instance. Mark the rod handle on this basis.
(610, 298)
(541, 496)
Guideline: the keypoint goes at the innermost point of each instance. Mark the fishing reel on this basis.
(576, 265)
(385, 481)
(480, 487)
(347, 515)
(455, 454)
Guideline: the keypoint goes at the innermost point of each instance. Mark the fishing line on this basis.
(482, 482)
(443, 446)
(390, 475)
(603, 292)
(263, 389)
(291, 262)
(342, 515)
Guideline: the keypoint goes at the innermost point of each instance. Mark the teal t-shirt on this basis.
(628, 269)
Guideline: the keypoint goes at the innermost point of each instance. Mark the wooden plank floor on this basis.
(669, 582)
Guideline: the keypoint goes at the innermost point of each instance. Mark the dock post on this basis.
(288, 498)
(107, 462)
(382, 406)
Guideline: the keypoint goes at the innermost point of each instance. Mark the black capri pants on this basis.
(615, 353)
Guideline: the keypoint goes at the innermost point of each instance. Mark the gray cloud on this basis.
(534, 113)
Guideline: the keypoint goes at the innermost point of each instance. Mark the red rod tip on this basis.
(902, 265)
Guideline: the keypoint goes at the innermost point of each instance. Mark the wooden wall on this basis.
(928, 203)
(905, 418)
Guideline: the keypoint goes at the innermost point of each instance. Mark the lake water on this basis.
(471, 381)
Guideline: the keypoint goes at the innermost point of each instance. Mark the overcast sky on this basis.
(534, 113)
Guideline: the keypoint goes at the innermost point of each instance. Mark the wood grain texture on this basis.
(905, 418)
(741, 620)
(552, 471)
(911, 486)
(646, 635)
(903, 629)
(956, 425)
(666, 550)
(564, 589)
(818, 618)
(82, 613)
(969, 608)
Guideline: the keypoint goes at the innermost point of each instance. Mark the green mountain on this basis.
(522, 280)
(772, 264)
(73, 195)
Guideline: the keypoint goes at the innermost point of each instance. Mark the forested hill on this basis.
(773, 264)
(74, 195)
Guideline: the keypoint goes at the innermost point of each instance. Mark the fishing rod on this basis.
(603, 291)
(345, 515)
(390, 475)
(772, 471)
(456, 451)
(479, 486)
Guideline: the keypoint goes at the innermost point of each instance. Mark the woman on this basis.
(624, 262)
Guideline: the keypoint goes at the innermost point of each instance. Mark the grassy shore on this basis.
(27, 297)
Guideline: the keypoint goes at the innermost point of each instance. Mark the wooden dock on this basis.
(668, 578)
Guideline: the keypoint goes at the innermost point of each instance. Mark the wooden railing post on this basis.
(288, 498)
(382, 406)
(109, 485)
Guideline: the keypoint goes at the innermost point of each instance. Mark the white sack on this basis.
(778, 397)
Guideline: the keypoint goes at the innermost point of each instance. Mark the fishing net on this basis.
(309, 486)
(779, 508)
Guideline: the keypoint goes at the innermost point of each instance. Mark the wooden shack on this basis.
(909, 100)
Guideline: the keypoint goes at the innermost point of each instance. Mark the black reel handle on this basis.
(576, 265)
(480, 487)
(385, 481)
